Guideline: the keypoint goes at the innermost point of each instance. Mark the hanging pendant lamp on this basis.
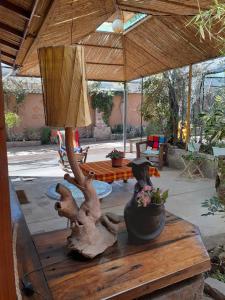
(64, 86)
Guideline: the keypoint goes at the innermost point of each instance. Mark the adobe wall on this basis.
(133, 106)
(31, 111)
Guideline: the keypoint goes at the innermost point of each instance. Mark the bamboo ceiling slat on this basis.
(26, 4)
(86, 15)
(103, 55)
(35, 24)
(9, 37)
(10, 19)
(159, 42)
(104, 72)
(10, 51)
(6, 58)
(205, 47)
(185, 7)
(103, 39)
(134, 64)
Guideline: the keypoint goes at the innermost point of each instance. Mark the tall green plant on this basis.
(155, 108)
(162, 96)
(214, 120)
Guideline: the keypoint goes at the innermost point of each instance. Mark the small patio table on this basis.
(103, 189)
(104, 171)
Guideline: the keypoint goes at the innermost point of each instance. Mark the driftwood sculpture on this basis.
(91, 232)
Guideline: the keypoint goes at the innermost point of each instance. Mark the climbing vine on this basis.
(101, 100)
(14, 88)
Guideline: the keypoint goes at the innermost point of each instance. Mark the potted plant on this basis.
(144, 214)
(116, 157)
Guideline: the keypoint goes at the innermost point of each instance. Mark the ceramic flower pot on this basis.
(144, 223)
(117, 162)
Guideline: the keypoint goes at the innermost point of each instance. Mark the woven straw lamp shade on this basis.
(64, 86)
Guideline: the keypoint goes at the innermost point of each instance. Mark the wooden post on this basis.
(125, 117)
(7, 280)
(188, 114)
(142, 99)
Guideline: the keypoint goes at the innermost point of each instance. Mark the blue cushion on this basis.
(150, 151)
(75, 150)
(162, 139)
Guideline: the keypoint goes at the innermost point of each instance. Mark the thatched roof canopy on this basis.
(159, 42)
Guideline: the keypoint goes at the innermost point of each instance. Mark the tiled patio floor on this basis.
(185, 195)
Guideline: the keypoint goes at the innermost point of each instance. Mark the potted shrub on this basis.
(116, 157)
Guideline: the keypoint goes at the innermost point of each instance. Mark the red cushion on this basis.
(155, 138)
(150, 138)
(155, 145)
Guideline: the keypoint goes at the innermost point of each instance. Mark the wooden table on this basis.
(105, 172)
(124, 271)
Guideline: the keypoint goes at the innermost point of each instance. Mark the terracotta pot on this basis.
(144, 223)
(117, 162)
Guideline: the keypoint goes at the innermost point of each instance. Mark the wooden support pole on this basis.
(125, 117)
(188, 114)
(142, 100)
(7, 280)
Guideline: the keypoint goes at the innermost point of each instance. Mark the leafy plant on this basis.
(210, 23)
(162, 96)
(159, 197)
(12, 119)
(218, 275)
(15, 88)
(213, 205)
(45, 135)
(101, 100)
(214, 121)
(115, 154)
(193, 156)
(151, 195)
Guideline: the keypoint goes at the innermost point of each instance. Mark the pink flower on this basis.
(143, 197)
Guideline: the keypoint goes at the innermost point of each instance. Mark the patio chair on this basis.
(192, 161)
(79, 152)
(155, 149)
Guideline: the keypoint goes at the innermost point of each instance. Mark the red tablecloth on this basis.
(105, 172)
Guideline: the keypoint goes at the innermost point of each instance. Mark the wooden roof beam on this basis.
(8, 44)
(99, 46)
(6, 62)
(15, 9)
(7, 54)
(11, 30)
(127, 7)
(103, 64)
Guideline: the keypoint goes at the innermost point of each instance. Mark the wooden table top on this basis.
(105, 172)
(124, 271)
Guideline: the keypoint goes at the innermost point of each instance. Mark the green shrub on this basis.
(12, 119)
(45, 135)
